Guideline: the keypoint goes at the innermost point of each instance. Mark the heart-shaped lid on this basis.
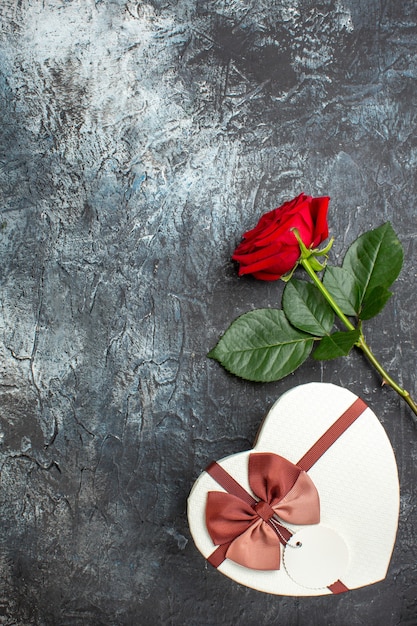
(253, 514)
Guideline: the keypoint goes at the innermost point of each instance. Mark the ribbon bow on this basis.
(252, 530)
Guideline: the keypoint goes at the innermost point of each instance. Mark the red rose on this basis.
(271, 249)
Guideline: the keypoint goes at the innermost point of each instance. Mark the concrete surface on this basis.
(139, 140)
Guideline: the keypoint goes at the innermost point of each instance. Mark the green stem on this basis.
(386, 378)
(361, 344)
(316, 280)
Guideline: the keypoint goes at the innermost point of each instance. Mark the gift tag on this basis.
(316, 557)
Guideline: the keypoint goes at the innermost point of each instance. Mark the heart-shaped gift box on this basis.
(312, 509)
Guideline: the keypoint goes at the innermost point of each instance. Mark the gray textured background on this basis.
(138, 142)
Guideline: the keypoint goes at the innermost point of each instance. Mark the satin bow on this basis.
(283, 489)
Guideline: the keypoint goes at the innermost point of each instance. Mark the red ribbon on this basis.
(250, 527)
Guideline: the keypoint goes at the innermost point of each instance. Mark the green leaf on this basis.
(337, 344)
(374, 302)
(306, 308)
(342, 286)
(262, 346)
(374, 259)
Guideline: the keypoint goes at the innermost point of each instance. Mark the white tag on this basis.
(316, 557)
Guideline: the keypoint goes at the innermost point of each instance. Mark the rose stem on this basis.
(361, 343)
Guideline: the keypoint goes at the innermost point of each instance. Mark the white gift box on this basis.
(356, 476)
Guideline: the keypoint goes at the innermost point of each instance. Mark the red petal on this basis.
(319, 208)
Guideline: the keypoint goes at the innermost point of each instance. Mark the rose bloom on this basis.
(271, 249)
